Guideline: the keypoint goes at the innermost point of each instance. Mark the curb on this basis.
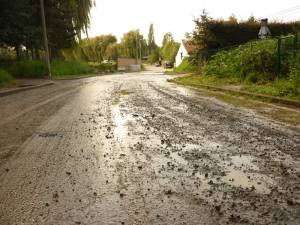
(82, 77)
(249, 94)
(17, 90)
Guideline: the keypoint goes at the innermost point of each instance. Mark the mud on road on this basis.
(134, 149)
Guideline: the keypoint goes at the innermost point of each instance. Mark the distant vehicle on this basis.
(157, 64)
(168, 65)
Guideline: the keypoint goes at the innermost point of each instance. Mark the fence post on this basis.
(295, 43)
(279, 56)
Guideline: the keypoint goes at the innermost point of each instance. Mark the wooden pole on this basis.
(46, 46)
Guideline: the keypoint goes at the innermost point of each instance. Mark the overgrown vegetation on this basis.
(20, 24)
(211, 34)
(5, 77)
(169, 48)
(255, 65)
(229, 57)
(37, 69)
(186, 66)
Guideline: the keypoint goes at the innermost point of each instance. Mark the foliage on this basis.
(254, 62)
(185, 67)
(151, 40)
(105, 67)
(169, 48)
(154, 56)
(37, 69)
(132, 44)
(62, 68)
(212, 33)
(27, 68)
(4, 77)
(92, 50)
(20, 23)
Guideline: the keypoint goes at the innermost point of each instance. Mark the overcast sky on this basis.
(176, 16)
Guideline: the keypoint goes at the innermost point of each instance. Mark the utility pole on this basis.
(136, 47)
(140, 42)
(46, 46)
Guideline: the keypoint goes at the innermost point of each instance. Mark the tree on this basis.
(20, 23)
(169, 48)
(131, 44)
(112, 52)
(151, 40)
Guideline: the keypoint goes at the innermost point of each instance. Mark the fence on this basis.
(284, 48)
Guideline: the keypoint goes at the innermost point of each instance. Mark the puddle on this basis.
(244, 162)
(120, 120)
(259, 182)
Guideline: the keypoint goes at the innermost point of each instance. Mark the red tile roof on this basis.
(190, 47)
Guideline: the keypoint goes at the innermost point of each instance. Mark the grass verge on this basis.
(278, 88)
(5, 78)
(37, 69)
(276, 113)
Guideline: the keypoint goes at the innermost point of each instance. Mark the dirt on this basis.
(135, 149)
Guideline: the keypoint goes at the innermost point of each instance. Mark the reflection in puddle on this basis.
(258, 182)
(238, 177)
(244, 161)
(120, 130)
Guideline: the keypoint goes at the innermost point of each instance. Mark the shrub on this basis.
(185, 67)
(248, 61)
(28, 69)
(61, 68)
(38, 69)
(4, 77)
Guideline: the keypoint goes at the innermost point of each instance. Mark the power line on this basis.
(285, 11)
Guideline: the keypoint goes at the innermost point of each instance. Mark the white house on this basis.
(185, 50)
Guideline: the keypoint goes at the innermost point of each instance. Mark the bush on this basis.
(105, 67)
(247, 62)
(28, 69)
(4, 77)
(38, 69)
(185, 67)
(62, 68)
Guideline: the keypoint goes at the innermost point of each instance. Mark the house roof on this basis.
(190, 47)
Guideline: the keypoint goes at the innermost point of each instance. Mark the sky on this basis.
(176, 16)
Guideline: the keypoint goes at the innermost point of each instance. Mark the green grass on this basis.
(5, 77)
(279, 88)
(251, 67)
(38, 69)
(62, 68)
(198, 80)
(185, 67)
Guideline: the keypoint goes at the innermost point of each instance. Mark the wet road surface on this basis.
(135, 149)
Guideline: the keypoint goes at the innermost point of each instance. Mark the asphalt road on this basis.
(135, 149)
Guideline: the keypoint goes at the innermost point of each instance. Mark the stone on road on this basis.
(135, 149)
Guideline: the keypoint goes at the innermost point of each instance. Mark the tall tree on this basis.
(131, 44)
(20, 22)
(169, 48)
(151, 40)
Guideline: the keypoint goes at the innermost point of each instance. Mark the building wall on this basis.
(128, 64)
(182, 53)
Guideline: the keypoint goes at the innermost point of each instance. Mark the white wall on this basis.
(182, 53)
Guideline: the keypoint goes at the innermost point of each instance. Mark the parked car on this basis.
(168, 65)
(157, 64)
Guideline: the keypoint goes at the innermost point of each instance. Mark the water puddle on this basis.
(258, 182)
(120, 120)
(244, 162)
(243, 173)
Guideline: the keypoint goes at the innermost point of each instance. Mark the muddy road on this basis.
(135, 149)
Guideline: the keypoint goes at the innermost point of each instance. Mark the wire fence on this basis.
(284, 48)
